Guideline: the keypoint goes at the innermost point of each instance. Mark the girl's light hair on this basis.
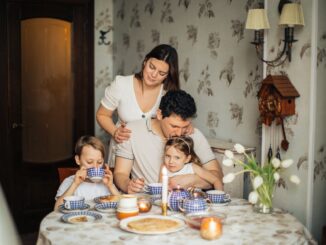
(184, 144)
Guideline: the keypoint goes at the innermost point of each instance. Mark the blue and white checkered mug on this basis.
(217, 196)
(95, 174)
(154, 188)
(73, 202)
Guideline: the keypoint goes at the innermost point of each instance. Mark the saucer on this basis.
(103, 208)
(62, 209)
(155, 198)
(81, 217)
(220, 204)
(157, 202)
(96, 179)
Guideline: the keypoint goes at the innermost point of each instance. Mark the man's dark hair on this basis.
(178, 102)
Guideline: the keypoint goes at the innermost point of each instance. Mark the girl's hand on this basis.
(80, 176)
(108, 177)
(122, 133)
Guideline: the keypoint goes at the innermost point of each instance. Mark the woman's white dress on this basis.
(120, 96)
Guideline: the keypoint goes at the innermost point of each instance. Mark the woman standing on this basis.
(138, 96)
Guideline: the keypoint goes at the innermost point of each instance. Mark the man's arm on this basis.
(191, 180)
(122, 172)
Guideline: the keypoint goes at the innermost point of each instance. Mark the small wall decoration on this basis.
(103, 37)
(276, 100)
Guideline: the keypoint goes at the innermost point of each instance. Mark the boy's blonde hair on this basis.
(184, 144)
(89, 140)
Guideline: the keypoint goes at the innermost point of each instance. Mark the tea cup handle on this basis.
(67, 205)
(145, 188)
(208, 200)
(227, 197)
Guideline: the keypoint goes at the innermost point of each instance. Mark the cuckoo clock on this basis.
(276, 100)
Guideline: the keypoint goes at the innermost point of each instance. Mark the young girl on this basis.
(180, 158)
(90, 152)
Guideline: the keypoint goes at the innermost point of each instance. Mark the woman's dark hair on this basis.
(91, 141)
(169, 55)
(184, 144)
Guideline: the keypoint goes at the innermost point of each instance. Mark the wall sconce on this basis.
(291, 15)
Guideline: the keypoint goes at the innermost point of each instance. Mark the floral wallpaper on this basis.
(215, 61)
(297, 127)
(104, 49)
(219, 67)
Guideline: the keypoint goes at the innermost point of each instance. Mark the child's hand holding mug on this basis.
(108, 176)
(80, 176)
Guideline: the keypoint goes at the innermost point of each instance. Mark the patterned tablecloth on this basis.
(242, 226)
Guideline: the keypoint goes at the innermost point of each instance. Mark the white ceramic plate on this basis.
(62, 209)
(124, 224)
(101, 207)
(71, 217)
(225, 203)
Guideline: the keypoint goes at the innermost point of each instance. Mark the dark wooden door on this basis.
(29, 168)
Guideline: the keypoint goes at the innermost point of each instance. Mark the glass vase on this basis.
(265, 199)
(263, 208)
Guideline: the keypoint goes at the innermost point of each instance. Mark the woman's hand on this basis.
(80, 176)
(121, 133)
(135, 185)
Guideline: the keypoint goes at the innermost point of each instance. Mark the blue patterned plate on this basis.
(62, 209)
(105, 207)
(81, 217)
(224, 203)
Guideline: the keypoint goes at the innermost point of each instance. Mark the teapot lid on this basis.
(178, 189)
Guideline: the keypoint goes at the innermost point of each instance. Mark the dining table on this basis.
(242, 225)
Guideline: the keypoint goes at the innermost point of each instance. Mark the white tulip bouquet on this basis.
(263, 178)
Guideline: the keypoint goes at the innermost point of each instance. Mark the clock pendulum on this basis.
(278, 154)
(270, 149)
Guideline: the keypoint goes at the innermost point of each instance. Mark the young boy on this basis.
(90, 152)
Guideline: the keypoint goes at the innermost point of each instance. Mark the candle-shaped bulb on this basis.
(164, 171)
(165, 180)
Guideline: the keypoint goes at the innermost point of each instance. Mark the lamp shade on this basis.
(291, 15)
(257, 19)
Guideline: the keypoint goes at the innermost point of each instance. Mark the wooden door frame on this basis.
(10, 77)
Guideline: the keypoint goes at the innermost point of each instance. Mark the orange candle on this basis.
(211, 228)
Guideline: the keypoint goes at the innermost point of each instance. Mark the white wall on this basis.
(319, 180)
